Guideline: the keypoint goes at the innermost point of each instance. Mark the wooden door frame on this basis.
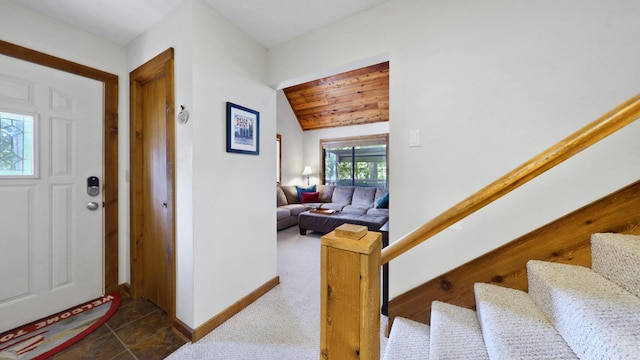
(110, 146)
(159, 65)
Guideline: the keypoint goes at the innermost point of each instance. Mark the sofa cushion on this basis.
(326, 192)
(294, 209)
(342, 195)
(380, 193)
(352, 209)
(282, 214)
(283, 224)
(363, 197)
(333, 206)
(281, 198)
(310, 197)
(291, 193)
(378, 211)
(301, 190)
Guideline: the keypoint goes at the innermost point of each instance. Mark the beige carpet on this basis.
(569, 312)
(284, 323)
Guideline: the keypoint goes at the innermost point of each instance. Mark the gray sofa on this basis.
(357, 205)
(288, 207)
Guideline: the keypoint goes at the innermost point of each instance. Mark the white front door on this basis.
(51, 242)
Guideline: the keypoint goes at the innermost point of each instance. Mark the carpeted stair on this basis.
(413, 344)
(456, 333)
(570, 312)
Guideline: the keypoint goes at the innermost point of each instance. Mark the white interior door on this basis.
(51, 243)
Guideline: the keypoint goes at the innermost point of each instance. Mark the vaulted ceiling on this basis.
(352, 98)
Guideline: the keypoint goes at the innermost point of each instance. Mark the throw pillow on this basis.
(301, 190)
(281, 198)
(383, 202)
(310, 197)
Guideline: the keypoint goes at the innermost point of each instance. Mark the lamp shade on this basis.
(307, 170)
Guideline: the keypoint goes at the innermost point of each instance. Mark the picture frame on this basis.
(243, 130)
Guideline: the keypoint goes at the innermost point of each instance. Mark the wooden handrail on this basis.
(619, 117)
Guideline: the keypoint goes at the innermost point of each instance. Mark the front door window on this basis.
(16, 145)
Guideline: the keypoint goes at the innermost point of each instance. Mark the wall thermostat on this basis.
(183, 115)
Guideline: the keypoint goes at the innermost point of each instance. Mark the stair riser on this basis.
(514, 328)
(617, 257)
(597, 318)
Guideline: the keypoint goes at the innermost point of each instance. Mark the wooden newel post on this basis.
(350, 294)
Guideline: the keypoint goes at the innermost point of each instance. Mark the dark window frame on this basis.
(354, 141)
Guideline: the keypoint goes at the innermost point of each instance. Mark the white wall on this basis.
(489, 84)
(234, 225)
(22, 26)
(226, 245)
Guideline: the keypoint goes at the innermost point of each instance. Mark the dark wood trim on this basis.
(159, 65)
(279, 144)
(152, 68)
(41, 58)
(125, 288)
(111, 222)
(171, 182)
(182, 329)
(566, 240)
(110, 138)
(232, 310)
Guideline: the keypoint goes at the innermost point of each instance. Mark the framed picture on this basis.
(243, 130)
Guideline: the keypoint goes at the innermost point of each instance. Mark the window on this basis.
(16, 145)
(360, 161)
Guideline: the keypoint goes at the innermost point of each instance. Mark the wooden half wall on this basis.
(565, 240)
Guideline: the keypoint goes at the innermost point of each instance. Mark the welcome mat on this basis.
(44, 338)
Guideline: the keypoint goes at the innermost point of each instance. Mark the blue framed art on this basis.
(243, 130)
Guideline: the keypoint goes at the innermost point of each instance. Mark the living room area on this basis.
(333, 150)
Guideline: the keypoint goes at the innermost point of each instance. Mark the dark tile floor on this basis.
(138, 330)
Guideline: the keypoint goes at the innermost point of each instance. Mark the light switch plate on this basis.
(414, 137)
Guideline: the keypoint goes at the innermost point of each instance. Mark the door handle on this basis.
(93, 206)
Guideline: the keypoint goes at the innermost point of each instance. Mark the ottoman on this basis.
(327, 223)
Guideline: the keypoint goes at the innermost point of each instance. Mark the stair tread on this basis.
(455, 333)
(596, 317)
(513, 326)
(617, 257)
(408, 340)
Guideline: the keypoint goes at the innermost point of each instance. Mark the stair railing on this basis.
(616, 119)
(337, 299)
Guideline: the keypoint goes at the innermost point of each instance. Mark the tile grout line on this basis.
(136, 319)
(123, 344)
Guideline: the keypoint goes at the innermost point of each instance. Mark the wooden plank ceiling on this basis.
(353, 98)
